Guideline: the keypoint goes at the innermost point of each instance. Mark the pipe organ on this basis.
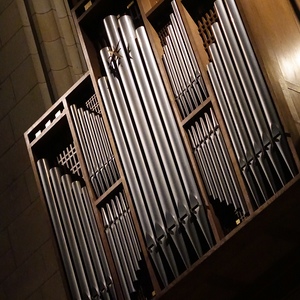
(156, 156)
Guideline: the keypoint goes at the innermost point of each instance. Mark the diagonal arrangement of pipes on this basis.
(181, 66)
(123, 242)
(250, 116)
(79, 242)
(96, 148)
(217, 170)
(206, 139)
(165, 194)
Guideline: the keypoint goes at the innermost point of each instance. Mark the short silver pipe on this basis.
(81, 138)
(107, 147)
(130, 240)
(97, 242)
(238, 196)
(210, 161)
(183, 49)
(97, 157)
(80, 237)
(185, 36)
(119, 232)
(170, 66)
(123, 277)
(179, 57)
(200, 162)
(101, 152)
(124, 210)
(217, 155)
(78, 194)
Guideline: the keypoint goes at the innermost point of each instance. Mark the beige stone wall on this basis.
(29, 267)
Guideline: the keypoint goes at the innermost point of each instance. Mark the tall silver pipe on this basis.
(237, 120)
(232, 130)
(242, 71)
(259, 82)
(172, 130)
(232, 105)
(254, 69)
(253, 125)
(139, 117)
(128, 32)
(138, 196)
(261, 137)
(43, 169)
(145, 135)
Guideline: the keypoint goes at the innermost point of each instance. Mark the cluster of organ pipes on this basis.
(161, 182)
(96, 148)
(123, 242)
(164, 192)
(181, 66)
(75, 227)
(216, 167)
(256, 134)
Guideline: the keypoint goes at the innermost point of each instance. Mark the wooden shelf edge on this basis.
(195, 112)
(110, 190)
